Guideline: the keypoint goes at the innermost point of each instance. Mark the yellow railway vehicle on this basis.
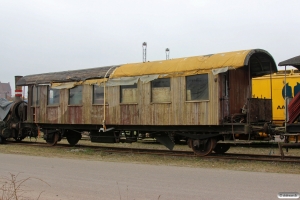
(277, 81)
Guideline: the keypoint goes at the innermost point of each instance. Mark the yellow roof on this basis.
(183, 66)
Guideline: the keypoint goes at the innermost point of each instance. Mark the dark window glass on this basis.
(161, 82)
(197, 87)
(160, 90)
(128, 93)
(98, 94)
(35, 96)
(75, 95)
(53, 96)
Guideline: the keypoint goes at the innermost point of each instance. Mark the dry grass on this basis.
(90, 154)
(14, 188)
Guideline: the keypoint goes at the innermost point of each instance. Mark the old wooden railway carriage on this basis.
(206, 99)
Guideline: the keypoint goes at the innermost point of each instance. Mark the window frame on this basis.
(81, 96)
(134, 86)
(152, 86)
(93, 100)
(48, 96)
(205, 92)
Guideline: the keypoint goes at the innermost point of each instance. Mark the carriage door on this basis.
(224, 77)
(35, 102)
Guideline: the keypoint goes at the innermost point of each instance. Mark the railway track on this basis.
(230, 156)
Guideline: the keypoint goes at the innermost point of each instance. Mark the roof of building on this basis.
(5, 87)
(67, 76)
(259, 60)
(295, 62)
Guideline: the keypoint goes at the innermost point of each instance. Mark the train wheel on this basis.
(53, 141)
(1, 140)
(203, 147)
(221, 148)
(73, 138)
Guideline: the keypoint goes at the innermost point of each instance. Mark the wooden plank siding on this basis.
(52, 115)
(63, 106)
(112, 113)
(143, 112)
(239, 89)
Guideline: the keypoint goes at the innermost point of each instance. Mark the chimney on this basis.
(18, 89)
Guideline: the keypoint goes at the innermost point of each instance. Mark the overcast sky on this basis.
(39, 36)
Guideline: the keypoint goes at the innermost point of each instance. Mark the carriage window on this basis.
(35, 100)
(128, 93)
(53, 96)
(160, 90)
(197, 87)
(75, 95)
(98, 94)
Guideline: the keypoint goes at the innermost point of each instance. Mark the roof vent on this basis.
(167, 53)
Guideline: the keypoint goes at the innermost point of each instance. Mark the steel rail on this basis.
(176, 153)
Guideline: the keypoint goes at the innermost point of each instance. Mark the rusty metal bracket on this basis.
(286, 145)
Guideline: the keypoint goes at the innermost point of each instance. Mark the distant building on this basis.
(5, 90)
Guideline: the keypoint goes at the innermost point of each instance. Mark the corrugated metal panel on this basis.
(67, 76)
(295, 61)
(294, 109)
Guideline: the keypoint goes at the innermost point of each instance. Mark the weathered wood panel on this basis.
(52, 115)
(129, 95)
(213, 106)
(36, 114)
(204, 112)
(178, 99)
(96, 114)
(161, 113)
(224, 98)
(144, 103)
(260, 110)
(54, 112)
(29, 106)
(64, 101)
(239, 89)
(113, 111)
(87, 100)
(161, 94)
(129, 114)
(75, 115)
(43, 104)
(176, 112)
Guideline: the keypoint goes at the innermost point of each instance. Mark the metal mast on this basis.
(144, 51)
(167, 53)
